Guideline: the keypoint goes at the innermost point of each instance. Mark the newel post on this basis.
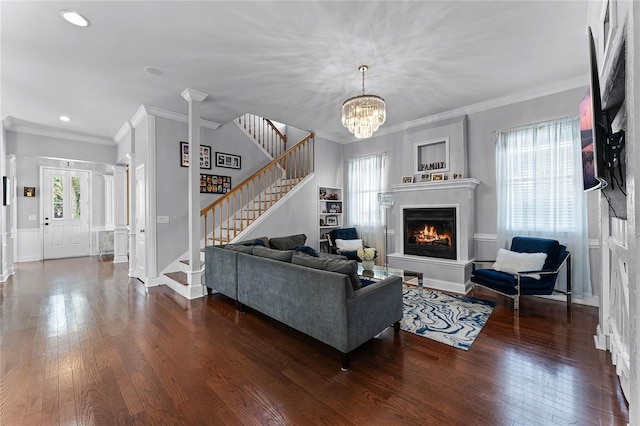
(194, 274)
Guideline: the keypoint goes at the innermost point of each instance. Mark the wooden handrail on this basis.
(275, 129)
(264, 133)
(255, 195)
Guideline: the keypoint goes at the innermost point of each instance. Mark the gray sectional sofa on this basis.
(318, 296)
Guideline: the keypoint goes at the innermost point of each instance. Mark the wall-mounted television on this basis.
(593, 128)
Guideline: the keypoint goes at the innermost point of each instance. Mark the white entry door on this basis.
(65, 213)
(140, 223)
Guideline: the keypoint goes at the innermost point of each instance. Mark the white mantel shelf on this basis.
(442, 184)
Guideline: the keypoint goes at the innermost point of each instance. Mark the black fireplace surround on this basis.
(430, 232)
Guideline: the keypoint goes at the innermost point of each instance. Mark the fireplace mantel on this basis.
(470, 183)
(444, 274)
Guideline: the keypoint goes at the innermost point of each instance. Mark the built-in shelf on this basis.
(330, 213)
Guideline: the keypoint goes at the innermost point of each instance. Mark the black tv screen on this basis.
(593, 128)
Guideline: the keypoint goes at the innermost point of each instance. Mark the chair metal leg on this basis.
(569, 282)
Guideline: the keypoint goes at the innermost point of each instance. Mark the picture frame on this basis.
(432, 155)
(334, 207)
(205, 155)
(407, 179)
(331, 220)
(214, 184)
(29, 191)
(437, 176)
(230, 161)
(425, 177)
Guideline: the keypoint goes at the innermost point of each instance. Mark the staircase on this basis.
(231, 216)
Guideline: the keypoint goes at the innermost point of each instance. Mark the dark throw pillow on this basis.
(288, 242)
(306, 249)
(256, 242)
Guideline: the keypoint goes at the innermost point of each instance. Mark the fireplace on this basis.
(430, 232)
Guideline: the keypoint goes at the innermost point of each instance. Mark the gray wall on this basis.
(28, 174)
(481, 130)
(172, 179)
(46, 146)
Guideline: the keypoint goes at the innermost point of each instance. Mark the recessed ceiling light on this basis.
(75, 18)
(64, 118)
(153, 70)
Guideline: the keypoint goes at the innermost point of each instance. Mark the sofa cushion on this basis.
(239, 247)
(288, 242)
(347, 267)
(348, 245)
(306, 249)
(269, 253)
(512, 262)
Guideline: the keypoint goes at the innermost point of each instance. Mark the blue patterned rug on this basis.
(453, 320)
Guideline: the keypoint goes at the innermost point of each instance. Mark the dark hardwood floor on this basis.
(81, 343)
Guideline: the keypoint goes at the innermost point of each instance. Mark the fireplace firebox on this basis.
(430, 232)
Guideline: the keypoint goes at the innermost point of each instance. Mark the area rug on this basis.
(453, 320)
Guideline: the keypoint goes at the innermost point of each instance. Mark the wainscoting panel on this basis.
(29, 245)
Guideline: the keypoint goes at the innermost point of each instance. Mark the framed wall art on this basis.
(214, 184)
(29, 191)
(432, 156)
(229, 161)
(205, 155)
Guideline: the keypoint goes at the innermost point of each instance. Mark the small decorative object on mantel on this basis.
(437, 176)
(407, 179)
(29, 191)
(425, 177)
(229, 161)
(205, 155)
(367, 254)
(457, 175)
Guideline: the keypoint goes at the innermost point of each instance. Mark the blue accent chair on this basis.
(343, 234)
(519, 284)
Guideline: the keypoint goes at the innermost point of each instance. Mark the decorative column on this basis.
(121, 237)
(131, 184)
(194, 273)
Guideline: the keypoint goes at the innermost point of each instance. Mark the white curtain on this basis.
(365, 178)
(539, 191)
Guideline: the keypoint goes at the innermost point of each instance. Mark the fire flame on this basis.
(429, 235)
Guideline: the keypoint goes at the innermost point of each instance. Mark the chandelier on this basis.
(363, 114)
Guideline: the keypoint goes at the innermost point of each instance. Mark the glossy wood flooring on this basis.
(82, 344)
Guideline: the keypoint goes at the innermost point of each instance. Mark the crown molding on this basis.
(145, 110)
(193, 95)
(13, 126)
(126, 128)
(572, 83)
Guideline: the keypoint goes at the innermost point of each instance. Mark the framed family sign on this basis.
(230, 161)
(205, 155)
(213, 184)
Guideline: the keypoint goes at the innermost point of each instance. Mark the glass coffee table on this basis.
(382, 272)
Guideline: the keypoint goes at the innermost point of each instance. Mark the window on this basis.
(539, 190)
(365, 177)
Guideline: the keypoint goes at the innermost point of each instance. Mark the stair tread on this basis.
(187, 262)
(178, 276)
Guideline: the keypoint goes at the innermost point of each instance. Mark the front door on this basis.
(65, 213)
(139, 223)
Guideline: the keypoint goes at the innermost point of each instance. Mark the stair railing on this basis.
(234, 211)
(265, 133)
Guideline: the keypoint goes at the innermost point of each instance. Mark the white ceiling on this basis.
(293, 62)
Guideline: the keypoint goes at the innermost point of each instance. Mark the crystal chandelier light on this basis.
(363, 114)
